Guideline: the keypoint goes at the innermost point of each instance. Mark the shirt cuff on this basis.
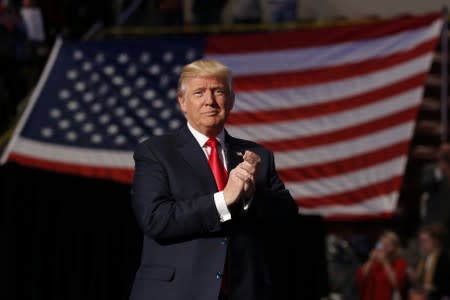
(222, 207)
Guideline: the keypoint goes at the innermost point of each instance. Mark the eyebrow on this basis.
(213, 88)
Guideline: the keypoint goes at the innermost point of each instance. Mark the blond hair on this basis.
(395, 241)
(204, 68)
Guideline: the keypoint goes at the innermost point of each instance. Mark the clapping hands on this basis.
(241, 180)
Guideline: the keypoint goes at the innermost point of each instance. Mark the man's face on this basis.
(426, 243)
(206, 103)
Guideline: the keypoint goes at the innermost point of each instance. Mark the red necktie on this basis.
(221, 177)
(216, 165)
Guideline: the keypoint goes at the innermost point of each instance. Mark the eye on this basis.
(198, 93)
(220, 92)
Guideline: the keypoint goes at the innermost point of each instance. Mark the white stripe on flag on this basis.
(345, 149)
(324, 56)
(347, 181)
(329, 91)
(373, 206)
(74, 155)
(322, 124)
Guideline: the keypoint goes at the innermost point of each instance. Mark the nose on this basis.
(210, 98)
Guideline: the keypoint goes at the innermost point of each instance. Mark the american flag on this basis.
(337, 105)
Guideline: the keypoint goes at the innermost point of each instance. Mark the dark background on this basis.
(68, 237)
(65, 237)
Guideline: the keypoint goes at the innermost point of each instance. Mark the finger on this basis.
(241, 178)
(251, 154)
(245, 176)
(252, 157)
(242, 168)
(242, 174)
(248, 167)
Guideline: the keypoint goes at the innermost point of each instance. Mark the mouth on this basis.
(211, 113)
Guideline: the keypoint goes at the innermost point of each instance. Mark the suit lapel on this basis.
(194, 156)
(234, 152)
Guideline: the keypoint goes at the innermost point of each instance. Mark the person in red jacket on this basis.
(383, 276)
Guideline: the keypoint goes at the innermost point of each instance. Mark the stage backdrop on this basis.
(337, 105)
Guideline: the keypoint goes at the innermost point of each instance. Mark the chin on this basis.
(213, 125)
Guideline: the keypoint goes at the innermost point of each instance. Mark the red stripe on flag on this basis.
(332, 106)
(310, 77)
(342, 166)
(354, 197)
(272, 41)
(359, 217)
(343, 134)
(117, 174)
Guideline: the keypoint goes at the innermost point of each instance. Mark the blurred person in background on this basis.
(431, 278)
(207, 12)
(383, 276)
(171, 12)
(246, 11)
(13, 55)
(282, 10)
(436, 184)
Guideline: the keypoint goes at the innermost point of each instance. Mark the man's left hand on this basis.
(250, 164)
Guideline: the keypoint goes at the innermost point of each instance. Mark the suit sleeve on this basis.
(159, 215)
(275, 183)
(277, 202)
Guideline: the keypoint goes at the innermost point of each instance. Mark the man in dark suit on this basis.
(431, 279)
(203, 200)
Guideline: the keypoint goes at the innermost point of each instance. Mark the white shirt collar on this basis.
(202, 139)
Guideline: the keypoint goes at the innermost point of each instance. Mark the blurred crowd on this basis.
(389, 274)
(436, 184)
(400, 268)
(28, 29)
(205, 12)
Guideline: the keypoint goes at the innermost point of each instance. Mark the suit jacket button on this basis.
(219, 275)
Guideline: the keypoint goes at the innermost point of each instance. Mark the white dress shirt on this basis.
(219, 199)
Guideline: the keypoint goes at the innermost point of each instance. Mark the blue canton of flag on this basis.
(111, 95)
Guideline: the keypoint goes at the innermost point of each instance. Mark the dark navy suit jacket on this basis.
(185, 245)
